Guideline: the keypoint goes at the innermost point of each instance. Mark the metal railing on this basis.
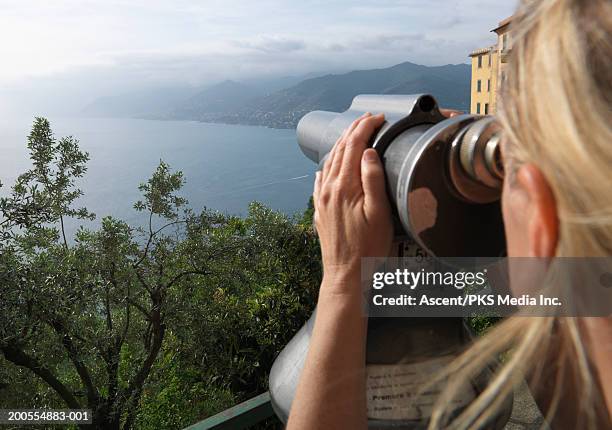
(241, 416)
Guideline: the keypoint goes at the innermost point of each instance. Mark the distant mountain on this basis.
(188, 102)
(219, 99)
(450, 85)
(269, 85)
(138, 104)
(260, 102)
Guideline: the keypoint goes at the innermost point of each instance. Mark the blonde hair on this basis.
(556, 112)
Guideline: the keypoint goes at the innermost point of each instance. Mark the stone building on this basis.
(489, 71)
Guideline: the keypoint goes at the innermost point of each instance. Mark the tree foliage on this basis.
(153, 326)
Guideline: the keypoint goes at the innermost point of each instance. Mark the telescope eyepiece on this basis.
(475, 164)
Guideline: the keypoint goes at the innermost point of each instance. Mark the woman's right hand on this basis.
(352, 211)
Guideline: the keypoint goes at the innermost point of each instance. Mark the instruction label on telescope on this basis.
(405, 391)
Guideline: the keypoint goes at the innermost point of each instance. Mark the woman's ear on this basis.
(542, 222)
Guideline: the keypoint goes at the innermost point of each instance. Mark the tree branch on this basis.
(142, 281)
(113, 279)
(63, 232)
(135, 387)
(183, 274)
(92, 393)
(138, 306)
(112, 371)
(18, 357)
(128, 308)
(152, 235)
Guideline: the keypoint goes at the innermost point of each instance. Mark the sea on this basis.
(226, 167)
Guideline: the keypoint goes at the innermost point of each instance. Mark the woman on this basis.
(557, 202)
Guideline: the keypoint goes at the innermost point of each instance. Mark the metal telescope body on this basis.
(444, 178)
(444, 175)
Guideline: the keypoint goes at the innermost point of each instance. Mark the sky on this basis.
(65, 53)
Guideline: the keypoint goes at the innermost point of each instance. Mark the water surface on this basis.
(226, 166)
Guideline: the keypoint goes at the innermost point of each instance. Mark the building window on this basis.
(480, 61)
(479, 86)
(478, 108)
(489, 85)
(505, 42)
(486, 108)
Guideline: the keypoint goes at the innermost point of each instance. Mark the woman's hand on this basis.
(352, 211)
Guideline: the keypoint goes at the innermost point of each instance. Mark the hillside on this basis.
(449, 84)
(261, 103)
(225, 97)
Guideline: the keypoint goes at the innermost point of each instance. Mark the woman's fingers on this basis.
(340, 147)
(449, 113)
(330, 157)
(354, 125)
(328, 162)
(357, 142)
(346, 154)
(317, 187)
(372, 181)
(315, 195)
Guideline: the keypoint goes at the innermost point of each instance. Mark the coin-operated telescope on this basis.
(444, 175)
(444, 178)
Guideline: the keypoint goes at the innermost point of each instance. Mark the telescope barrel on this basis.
(318, 132)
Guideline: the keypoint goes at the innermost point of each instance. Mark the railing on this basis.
(239, 417)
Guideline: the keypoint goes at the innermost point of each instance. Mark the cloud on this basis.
(390, 41)
(273, 44)
(89, 48)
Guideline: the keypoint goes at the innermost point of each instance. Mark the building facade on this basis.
(489, 71)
